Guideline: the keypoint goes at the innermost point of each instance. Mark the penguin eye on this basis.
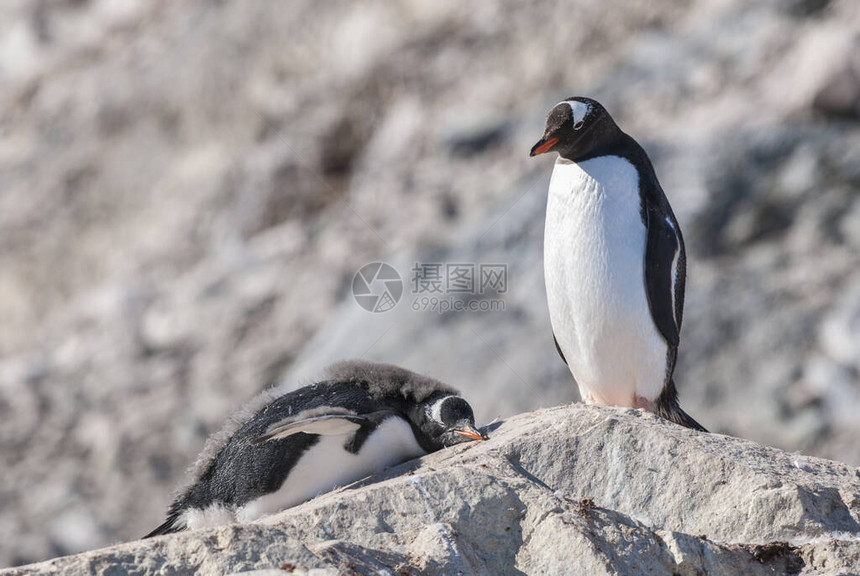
(579, 125)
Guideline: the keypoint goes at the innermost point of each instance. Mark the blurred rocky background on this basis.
(188, 187)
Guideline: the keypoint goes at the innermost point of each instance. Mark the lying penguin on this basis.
(281, 450)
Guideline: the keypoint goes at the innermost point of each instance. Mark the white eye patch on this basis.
(579, 110)
(436, 409)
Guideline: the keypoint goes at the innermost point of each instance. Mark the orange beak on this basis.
(543, 145)
(471, 434)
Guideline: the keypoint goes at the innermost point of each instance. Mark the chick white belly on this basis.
(594, 253)
(327, 465)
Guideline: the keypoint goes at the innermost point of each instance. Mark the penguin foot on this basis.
(643, 404)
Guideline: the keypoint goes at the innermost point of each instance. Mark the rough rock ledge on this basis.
(569, 490)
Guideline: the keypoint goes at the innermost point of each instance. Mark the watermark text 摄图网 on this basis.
(435, 286)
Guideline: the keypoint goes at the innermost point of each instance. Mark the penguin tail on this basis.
(170, 526)
(667, 407)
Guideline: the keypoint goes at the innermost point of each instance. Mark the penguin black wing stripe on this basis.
(662, 246)
(558, 348)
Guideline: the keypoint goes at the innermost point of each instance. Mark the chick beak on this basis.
(543, 145)
(471, 433)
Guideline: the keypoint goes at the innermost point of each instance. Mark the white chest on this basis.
(594, 259)
(327, 465)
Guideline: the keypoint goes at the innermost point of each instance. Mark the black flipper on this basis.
(665, 290)
(664, 242)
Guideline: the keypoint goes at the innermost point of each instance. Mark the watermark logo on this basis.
(377, 287)
(436, 287)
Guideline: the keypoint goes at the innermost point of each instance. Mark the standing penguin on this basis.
(279, 451)
(614, 263)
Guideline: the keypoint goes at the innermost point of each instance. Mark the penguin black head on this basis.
(444, 421)
(576, 128)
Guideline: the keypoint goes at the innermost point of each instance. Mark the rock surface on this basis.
(573, 489)
(187, 188)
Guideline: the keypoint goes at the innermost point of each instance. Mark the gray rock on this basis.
(839, 95)
(574, 489)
